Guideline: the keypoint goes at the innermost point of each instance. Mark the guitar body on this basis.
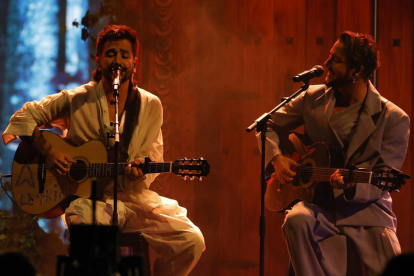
(280, 196)
(37, 191)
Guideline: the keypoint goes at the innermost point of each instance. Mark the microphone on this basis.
(117, 72)
(316, 71)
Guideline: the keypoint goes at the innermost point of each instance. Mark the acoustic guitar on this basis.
(39, 192)
(315, 168)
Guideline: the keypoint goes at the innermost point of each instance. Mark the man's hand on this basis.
(283, 169)
(58, 162)
(337, 181)
(133, 173)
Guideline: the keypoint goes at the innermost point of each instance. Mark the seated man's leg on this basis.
(172, 235)
(375, 246)
(178, 242)
(314, 244)
(80, 212)
(178, 252)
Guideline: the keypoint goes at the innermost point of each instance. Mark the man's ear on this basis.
(135, 61)
(359, 71)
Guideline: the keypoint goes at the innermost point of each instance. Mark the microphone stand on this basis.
(260, 124)
(116, 150)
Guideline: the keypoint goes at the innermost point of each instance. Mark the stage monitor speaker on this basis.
(94, 242)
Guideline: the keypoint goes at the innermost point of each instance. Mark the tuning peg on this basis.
(200, 178)
(185, 177)
(192, 178)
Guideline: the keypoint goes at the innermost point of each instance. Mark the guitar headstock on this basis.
(389, 179)
(191, 168)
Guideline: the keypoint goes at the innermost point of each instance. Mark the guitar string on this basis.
(102, 169)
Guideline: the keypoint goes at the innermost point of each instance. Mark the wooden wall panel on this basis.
(257, 85)
(209, 81)
(289, 42)
(354, 15)
(395, 42)
(320, 34)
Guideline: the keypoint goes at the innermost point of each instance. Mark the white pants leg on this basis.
(178, 242)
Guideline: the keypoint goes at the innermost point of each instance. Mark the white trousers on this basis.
(178, 242)
(317, 247)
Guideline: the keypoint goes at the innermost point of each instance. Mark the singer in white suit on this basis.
(351, 228)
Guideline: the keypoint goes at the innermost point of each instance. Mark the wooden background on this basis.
(217, 66)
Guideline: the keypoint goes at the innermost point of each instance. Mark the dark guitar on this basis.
(315, 167)
(37, 191)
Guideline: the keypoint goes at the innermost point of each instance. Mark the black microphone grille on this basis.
(319, 70)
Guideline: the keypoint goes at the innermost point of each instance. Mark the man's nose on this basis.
(117, 59)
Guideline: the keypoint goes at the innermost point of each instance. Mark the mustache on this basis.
(117, 66)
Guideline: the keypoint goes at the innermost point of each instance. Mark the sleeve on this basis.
(288, 118)
(35, 113)
(394, 146)
(150, 136)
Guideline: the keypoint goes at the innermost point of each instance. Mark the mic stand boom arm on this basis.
(260, 124)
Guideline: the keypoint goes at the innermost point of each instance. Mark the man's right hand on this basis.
(58, 162)
(283, 168)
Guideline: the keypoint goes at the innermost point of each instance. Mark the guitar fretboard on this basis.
(108, 169)
(323, 174)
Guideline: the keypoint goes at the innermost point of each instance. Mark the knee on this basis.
(196, 242)
(297, 223)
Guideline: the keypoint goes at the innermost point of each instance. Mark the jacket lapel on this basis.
(322, 106)
(365, 125)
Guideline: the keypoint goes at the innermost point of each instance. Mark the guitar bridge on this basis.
(41, 177)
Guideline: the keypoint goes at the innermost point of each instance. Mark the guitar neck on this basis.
(323, 174)
(108, 169)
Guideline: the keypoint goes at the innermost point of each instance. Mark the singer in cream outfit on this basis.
(85, 114)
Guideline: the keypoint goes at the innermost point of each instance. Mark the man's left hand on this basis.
(134, 173)
(337, 181)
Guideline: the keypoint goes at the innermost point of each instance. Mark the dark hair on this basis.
(110, 33)
(360, 50)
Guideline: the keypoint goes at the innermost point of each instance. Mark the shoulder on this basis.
(392, 110)
(82, 89)
(375, 102)
(149, 98)
(315, 91)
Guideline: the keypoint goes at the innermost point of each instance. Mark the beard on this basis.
(126, 75)
(338, 81)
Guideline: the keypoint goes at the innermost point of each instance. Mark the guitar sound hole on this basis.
(79, 170)
(305, 173)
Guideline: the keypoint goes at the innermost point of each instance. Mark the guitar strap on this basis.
(300, 147)
(132, 109)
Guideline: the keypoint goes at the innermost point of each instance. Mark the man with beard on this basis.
(85, 113)
(348, 227)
